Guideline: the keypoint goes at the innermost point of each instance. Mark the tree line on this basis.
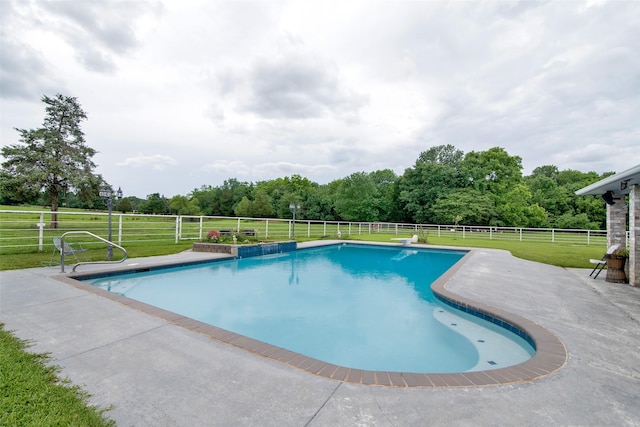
(444, 186)
(52, 166)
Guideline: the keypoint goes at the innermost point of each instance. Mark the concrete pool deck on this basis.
(152, 372)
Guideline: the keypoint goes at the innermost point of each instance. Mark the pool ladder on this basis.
(124, 251)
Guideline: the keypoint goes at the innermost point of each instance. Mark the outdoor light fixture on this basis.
(294, 208)
(608, 198)
(624, 184)
(106, 193)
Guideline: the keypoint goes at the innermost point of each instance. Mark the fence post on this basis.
(553, 235)
(309, 229)
(521, 234)
(438, 231)
(201, 225)
(464, 231)
(40, 232)
(238, 229)
(490, 233)
(177, 228)
(324, 230)
(120, 229)
(266, 229)
(588, 237)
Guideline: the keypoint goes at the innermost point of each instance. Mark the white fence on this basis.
(33, 229)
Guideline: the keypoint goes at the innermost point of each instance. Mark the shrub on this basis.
(213, 236)
(622, 252)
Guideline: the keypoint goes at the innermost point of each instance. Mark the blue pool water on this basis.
(358, 306)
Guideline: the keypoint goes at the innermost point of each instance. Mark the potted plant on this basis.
(619, 254)
(615, 265)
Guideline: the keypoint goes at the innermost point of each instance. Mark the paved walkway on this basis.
(153, 373)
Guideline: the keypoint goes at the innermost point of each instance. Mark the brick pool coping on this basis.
(550, 356)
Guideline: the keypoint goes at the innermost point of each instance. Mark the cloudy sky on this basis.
(185, 93)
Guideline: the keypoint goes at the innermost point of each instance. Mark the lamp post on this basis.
(108, 195)
(294, 208)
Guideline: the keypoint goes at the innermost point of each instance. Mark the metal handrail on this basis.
(89, 262)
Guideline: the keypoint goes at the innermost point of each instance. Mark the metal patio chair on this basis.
(73, 250)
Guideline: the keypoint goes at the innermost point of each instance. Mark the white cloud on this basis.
(259, 90)
(264, 171)
(156, 162)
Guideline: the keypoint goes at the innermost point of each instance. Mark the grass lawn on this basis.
(558, 254)
(31, 394)
(18, 261)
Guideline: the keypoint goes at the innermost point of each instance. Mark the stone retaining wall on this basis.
(245, 251)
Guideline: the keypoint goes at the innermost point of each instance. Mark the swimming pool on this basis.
(351, 305)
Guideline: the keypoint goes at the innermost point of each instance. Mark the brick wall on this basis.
(634, 240)
(617, 222)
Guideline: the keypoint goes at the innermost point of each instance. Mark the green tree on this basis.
(577, 179)
(538, 217)
(435, 174)
(208, 198)
(385, 183)
(54, 157)
(261, 207)
(471, 206)
(281, 191)
(356, 198)
(421, 186)
(319, 204)
(548, 171)
(493, 170)
(274, 189)
(258, 208)
(571, 181)
(155, 204)
(579, 221)
(593, 207)
(282, 209)
(182, 205)
(442, 155)
(244, 208)
(13, 192)
(546, 192)
(124, 205)
(515, 208)
(230, 194)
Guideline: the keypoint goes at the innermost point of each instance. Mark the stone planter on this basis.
(216, 248)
